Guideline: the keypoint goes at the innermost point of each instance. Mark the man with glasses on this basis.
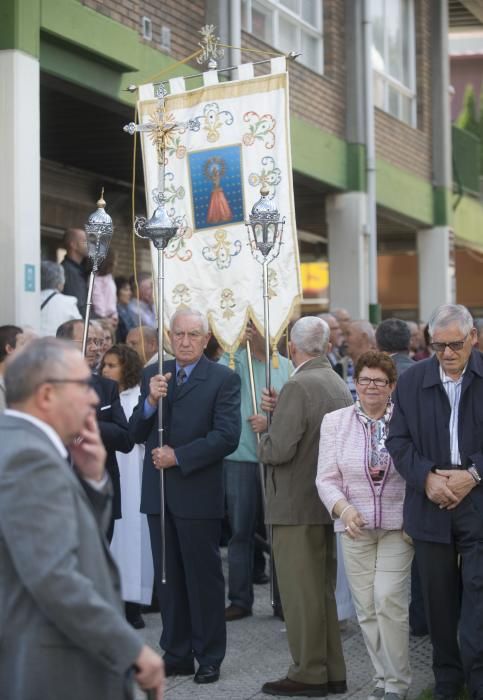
(63, 631)
(110, 415)
(436, 442)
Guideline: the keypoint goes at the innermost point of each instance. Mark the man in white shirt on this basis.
(63, 631)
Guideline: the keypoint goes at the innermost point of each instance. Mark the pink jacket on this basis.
(104, 298)
(342, 472)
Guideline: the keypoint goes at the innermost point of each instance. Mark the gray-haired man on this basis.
(436, 442)
(303, 537)
(63, 631)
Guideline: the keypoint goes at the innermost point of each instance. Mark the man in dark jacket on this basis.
(436, 442)
(75, 243)
(201, 417)
(393, 336)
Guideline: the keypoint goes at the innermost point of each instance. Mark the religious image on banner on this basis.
(213, 175)
(216, 186)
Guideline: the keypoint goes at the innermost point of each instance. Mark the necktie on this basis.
(181, 376)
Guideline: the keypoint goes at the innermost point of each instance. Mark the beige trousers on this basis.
(306, 571)
(378, 567)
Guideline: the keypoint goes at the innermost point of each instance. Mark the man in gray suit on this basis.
(62, 629)
(303, 536)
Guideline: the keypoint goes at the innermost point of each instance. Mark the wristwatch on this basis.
(474, 473)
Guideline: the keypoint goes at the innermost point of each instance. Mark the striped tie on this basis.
(181, 376)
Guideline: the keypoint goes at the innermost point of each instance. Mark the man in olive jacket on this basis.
(303, 537)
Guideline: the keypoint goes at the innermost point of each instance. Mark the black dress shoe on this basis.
(207, 674)
(337, 687)
(182, 668)
(286, 687)
(260, 578)
(233, 612)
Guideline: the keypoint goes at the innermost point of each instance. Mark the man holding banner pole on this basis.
(201, 416)
(242, 471)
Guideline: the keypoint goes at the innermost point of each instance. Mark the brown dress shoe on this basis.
(233, 612)
(288, 688)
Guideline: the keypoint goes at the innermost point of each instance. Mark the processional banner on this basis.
(213, 176)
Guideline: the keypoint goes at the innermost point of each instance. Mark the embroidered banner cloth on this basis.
(213, 177)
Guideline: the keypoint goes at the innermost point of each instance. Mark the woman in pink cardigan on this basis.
(360, 487)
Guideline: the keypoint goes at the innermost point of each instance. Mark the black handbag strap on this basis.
(46, 301)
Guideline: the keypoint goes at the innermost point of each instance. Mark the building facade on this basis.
(373, 168)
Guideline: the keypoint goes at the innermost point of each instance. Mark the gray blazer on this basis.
(62, 630)
(291, 446)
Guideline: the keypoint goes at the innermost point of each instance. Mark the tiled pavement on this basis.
(257, 651)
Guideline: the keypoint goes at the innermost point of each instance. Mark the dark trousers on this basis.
(192, 601)
(452, 585)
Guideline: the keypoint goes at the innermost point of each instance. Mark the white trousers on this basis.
(378, 567)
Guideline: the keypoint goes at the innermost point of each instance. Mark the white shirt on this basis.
(55, 440)
(453, 391)
(59, 309)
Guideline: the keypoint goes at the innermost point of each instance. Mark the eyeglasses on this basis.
(367, 381)
(87, 383)
(91, 341)
(455, 345)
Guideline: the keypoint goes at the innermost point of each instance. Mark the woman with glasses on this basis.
(360, 487)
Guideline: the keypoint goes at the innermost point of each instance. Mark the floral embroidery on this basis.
(177, 247)
(272, 283)
(269, 175)
(260, 128)
(222, 251)
(171, 192)
(181, 295)
(213, 119)
(227, 303)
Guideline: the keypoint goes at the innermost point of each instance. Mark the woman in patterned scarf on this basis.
(360, 487)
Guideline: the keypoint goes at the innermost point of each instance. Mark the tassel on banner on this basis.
(275, 360)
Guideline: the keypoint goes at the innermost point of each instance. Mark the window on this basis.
(393, 58)
(288, 25)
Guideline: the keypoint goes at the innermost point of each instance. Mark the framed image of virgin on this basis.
(216, 186)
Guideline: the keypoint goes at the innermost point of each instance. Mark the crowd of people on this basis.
(373, 454)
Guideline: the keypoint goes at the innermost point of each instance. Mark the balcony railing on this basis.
(466, 162)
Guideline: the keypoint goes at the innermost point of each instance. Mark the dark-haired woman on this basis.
(360, 487)
(130, 543)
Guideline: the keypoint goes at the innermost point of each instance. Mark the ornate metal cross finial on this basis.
(209, 45)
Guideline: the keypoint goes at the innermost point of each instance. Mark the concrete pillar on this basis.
(19, 189)
(436, 267)
(348, 252)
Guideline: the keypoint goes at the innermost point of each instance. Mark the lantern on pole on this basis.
(99, 230)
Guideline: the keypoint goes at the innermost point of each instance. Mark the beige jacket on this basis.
(290, 448)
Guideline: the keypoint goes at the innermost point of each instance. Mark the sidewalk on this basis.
(257, 651)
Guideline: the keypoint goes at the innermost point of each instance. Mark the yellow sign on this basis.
(315, 279)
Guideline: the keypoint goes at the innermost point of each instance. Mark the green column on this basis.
(20, 25)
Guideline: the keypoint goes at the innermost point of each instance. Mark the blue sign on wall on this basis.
(29, 278)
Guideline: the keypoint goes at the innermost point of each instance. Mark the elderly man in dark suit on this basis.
(201, 426)
(63, 633)
(436, 442)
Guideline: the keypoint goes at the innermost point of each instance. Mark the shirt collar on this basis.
(187, 368)
(41, 425)
(445, 379)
